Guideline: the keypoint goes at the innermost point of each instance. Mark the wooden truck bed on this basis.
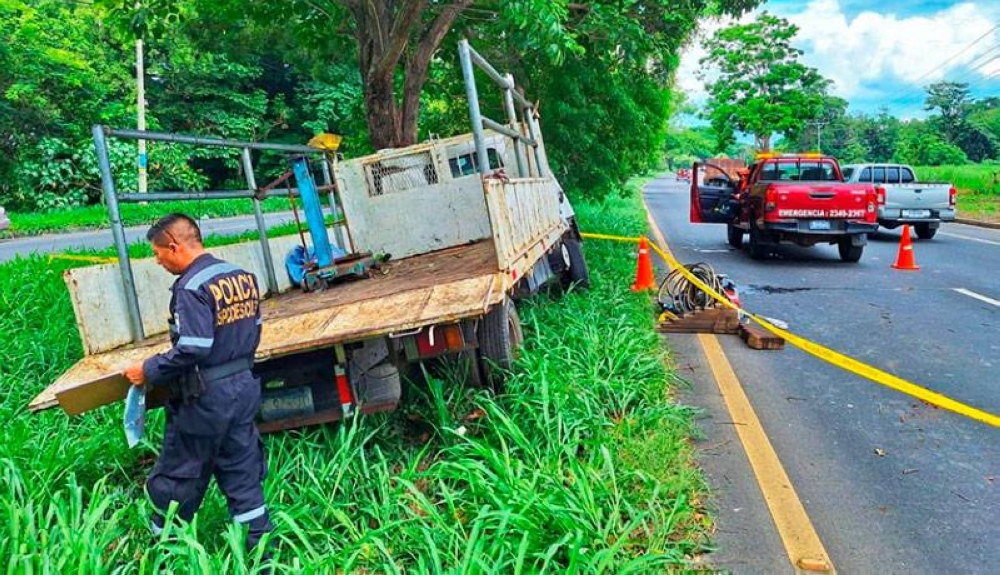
(449, 284)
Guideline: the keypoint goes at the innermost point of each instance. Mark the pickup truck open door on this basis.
(712, 190)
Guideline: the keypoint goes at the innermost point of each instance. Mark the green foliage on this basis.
(879, 135)
(762, 87)
(584, 466)
(686, 145)
(602, 126)
(954, 106)
(920, 143)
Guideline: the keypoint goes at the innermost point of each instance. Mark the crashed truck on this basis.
(469, 224)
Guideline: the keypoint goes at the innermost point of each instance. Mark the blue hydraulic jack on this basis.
(325, 269)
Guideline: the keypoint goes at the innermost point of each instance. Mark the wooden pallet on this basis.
(711, 320)
(759, 338)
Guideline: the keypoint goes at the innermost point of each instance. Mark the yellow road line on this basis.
(802, 543)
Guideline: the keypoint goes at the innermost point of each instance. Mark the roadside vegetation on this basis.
(582, 465)
(978, 187)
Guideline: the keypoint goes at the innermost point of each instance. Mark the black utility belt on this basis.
(222, 370)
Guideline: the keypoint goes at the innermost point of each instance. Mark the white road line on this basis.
(970, 238)
(980, 297)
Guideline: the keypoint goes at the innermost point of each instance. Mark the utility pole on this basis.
(819, 134)
(140, 83)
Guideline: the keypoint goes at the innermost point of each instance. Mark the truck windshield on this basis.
(798, 170)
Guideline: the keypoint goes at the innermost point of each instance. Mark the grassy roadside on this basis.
(96, 217)
(583, 465)
(978, 188)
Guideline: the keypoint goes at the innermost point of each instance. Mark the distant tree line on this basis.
(758, 86)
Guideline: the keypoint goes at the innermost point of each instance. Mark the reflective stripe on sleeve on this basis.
(189, 341)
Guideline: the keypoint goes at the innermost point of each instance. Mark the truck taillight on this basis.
(880, 196)
(770, 200)
(952, 193)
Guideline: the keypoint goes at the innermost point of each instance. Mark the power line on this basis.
(950, 59)
(959, 53)
(975, 64)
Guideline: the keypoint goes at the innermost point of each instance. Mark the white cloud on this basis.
(872, 55)
(885, 48)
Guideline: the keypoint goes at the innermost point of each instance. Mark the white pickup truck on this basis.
(906, 200)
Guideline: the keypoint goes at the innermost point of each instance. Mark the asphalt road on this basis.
(100, 239)
(891, 484)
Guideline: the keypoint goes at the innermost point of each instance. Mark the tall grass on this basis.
(981, 179)
(978, 186)
(583, 465)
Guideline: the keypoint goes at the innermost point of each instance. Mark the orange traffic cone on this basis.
(905, 261)
(644, 272)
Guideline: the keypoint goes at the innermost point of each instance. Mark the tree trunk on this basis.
(385, 29)
(763, 142)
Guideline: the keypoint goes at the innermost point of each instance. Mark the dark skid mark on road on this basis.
(775, 289)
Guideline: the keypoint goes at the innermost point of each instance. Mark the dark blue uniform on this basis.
(214, 325)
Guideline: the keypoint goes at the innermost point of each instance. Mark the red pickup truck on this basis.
(796, 198)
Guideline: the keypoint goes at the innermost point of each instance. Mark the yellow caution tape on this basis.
(91, 259)
(826, 354)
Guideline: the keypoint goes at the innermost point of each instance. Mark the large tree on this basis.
(395, 41)
(762, 88)
(954, 106)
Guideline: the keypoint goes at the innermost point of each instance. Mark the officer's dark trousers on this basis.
(214, 435)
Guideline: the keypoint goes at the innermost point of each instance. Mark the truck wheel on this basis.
(848, 251)
(572, 250)
(499, 338)
(568, 263)
(734, 235)
(755, 248)
(925, 231)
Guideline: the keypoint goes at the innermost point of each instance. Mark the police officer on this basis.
(214, 328)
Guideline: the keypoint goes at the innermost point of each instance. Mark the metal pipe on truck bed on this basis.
(465, 55)
(503, 129)
(508, 100)
(174, 196)
(199, 141)
(118, 231)
(258, 214)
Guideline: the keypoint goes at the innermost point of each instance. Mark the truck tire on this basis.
(755, 247)
(499, 337)
(925, 231)
(568, 263)
(734, 235)
(848, 251)
(578, 273)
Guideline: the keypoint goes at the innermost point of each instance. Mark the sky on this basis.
(882, 53)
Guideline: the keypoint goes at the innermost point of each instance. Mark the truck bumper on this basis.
(837, 228)
(892, 217)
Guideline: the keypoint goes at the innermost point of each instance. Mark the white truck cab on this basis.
(906, 199)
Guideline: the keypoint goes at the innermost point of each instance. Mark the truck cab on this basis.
(906, 200)
(786, 198)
